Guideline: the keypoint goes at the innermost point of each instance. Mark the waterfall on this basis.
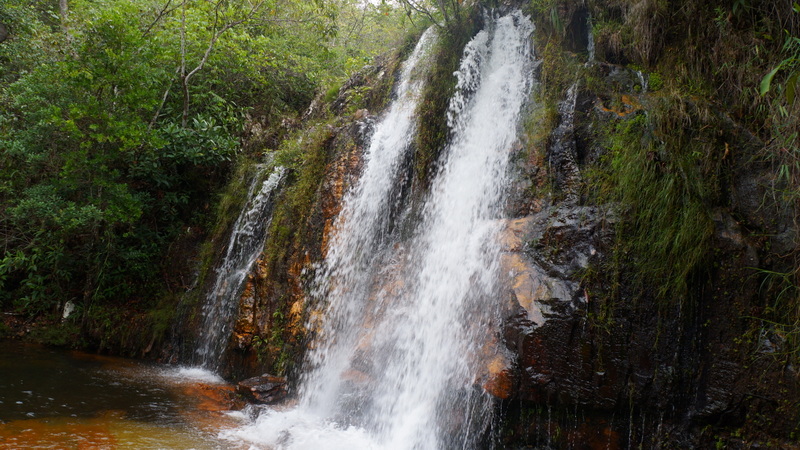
(563, 151)
(642, 81)
(244, 245)
(362, 229)
(396, 358)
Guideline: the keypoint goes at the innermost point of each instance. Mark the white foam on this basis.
(192, 375)
(299, 430)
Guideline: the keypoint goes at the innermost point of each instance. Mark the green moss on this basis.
(131, 330)
(432, 130)
(655, 81)
(63, 334)
(662, 169)
(306, 156)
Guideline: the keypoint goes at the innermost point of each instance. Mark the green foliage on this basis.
(790, 65)
(432, 130)
(443, 13)
(545, 13)
(655, 81)
(781, 317)
(306, 156)
(100, 172)
(32, 37)
(94, 190)
(663, 172)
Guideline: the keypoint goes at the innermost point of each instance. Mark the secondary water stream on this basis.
(244, 245)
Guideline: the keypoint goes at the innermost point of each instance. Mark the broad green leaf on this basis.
(767, 80)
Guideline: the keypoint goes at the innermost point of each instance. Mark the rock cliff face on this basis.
(602, 360)
(589, 355)
(275, 307)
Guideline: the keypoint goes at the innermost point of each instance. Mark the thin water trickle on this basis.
(396, 359)
(590, 41)
(244, 245)
(563, 152)
(642, 81)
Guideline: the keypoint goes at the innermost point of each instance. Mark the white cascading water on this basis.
(361, 232)
(590, 49)
(244, 245)
(396, 358)
(563, 152)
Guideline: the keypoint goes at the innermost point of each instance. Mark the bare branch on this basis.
(165, 11)
(63, 10)
(185, 77)
(163, 102)
(412, 5)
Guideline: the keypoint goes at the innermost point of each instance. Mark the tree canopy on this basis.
(120, 119)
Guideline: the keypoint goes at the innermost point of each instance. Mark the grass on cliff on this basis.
(432, 130)
(306, 156)
(663, 172)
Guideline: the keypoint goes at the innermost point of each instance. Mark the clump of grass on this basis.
(662, 169)
(432, 130)
(306, 156)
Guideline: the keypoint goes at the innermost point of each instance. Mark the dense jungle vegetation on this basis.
(121, 120)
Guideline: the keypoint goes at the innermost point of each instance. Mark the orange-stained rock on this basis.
(528, 284)
(629, 104)
(212, 397)
(296, 320)
(265, 389)
(212, 403)
(512, 235)
(500, 381)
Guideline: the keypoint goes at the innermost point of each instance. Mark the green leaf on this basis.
(767, 80)
(796, 7)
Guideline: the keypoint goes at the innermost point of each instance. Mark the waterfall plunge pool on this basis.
(53, 398)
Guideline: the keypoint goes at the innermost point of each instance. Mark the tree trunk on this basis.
(63, 10)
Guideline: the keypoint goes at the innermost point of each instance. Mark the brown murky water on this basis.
(52, 398)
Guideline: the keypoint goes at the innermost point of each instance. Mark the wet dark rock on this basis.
(599, 355)
(264, 389)
(563, 155)
(619, 77)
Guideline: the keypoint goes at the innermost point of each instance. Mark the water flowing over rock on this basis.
(563, 152)
(244, 246)
(409, 289)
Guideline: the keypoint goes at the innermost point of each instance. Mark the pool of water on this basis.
(51, 398)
